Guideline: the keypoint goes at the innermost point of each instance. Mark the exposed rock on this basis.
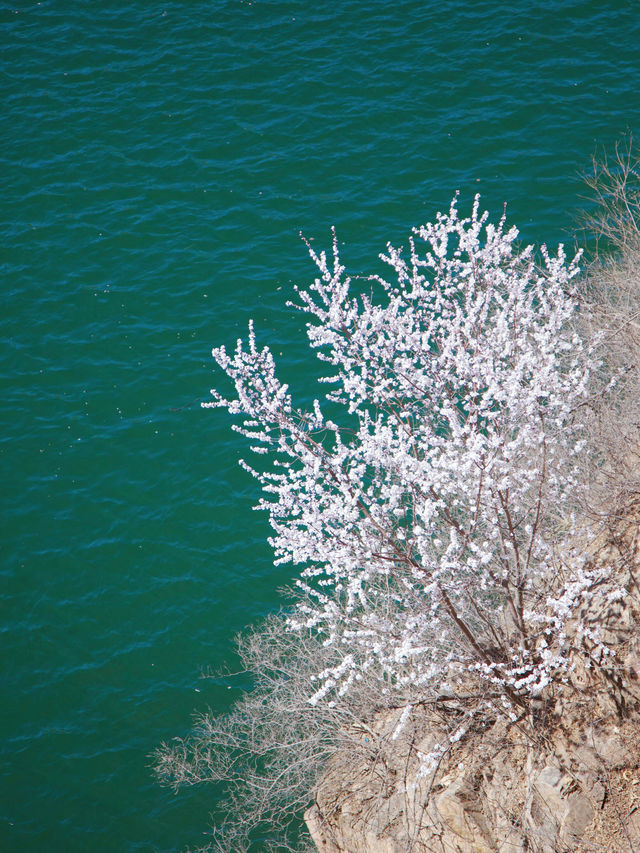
(563, 779)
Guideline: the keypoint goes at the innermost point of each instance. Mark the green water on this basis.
(158, 163)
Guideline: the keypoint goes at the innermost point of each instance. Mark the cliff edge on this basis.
(564, 777)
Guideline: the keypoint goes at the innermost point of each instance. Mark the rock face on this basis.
(565, 779)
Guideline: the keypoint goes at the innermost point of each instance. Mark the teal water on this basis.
(158, 162)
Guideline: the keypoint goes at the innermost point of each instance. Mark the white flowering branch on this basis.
(419, 512)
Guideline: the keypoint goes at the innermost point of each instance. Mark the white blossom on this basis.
(418, 512)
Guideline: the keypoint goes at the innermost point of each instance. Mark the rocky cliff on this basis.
(562, 778)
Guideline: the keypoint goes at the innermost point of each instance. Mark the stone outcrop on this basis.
(565, 778)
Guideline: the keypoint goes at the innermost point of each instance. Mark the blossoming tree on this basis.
(419, 498)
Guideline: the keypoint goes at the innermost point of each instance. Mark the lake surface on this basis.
(158, 164)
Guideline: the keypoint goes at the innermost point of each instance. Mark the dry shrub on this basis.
(611, 319)
(270, 751)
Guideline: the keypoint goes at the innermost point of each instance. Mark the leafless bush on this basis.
(614, 185)
(610, 320)
(270, 750)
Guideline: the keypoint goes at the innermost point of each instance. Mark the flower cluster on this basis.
(418, 499)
